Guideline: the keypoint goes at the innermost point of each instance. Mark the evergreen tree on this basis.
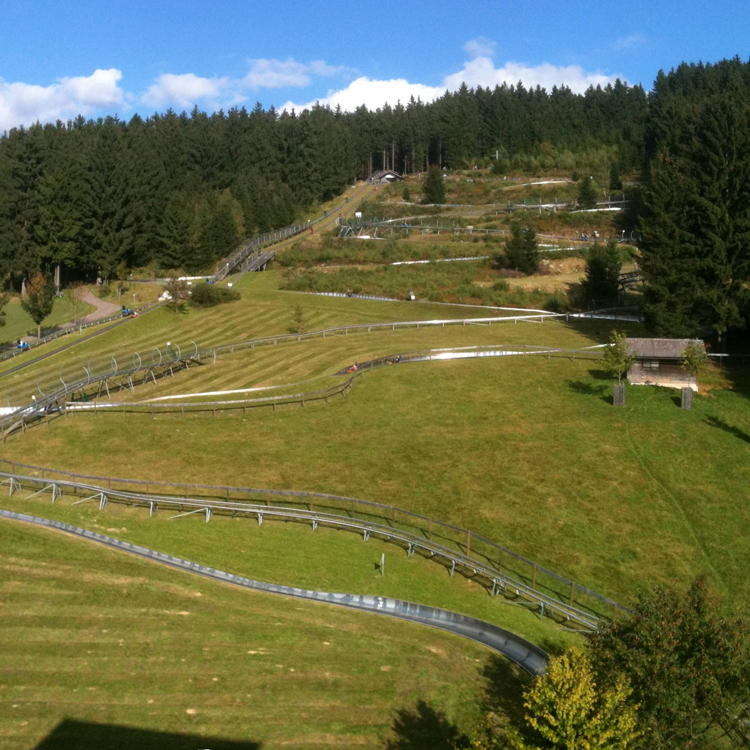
(615, 181)
(587, 194)
(434, 187)
(603, 266)
(696, 223)
(521, 250)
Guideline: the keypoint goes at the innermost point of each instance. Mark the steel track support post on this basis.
(494, 587)
(365, 535)
(453, 567)
(208, 514)
(314, 524)
(260, 519)
(102, 501)
(151, 509)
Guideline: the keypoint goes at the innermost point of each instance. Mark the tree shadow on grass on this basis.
(423, 728)
(503, 689)
(82, 735)
(738, 433)
(584, 388)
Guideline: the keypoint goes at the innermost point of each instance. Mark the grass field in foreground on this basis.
(160, 659)
(291, 554)
(527, 451)
(18, 322)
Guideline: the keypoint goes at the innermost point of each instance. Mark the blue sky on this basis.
(120, 57)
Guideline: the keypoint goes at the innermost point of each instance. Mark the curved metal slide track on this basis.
(520, 651)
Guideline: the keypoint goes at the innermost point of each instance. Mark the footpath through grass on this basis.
(99, 649)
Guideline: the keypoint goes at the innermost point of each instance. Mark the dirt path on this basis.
(104, 309)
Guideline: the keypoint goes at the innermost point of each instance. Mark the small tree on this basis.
(406, 195)
(688, 665)
(521, 250)
(603, 266)
(75, 295)
(4, 299)
(178, 293)
(587, 194)
(434, 186)
(566, 709)
(616, 359)
(40, 299)
(693, 360)
(298, 320)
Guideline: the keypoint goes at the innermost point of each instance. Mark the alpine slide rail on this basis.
(520, 651)
(161, 363)
(252, 255)
(495, 567)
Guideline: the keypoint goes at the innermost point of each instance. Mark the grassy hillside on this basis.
(525, 450)
(156, 658)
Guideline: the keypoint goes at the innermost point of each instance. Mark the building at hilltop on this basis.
(385, 176)
(657, 362)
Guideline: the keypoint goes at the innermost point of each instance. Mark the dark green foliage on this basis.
(615, 181)
(434, 187)
(689, 666)
(160, 191)
(40, 297)
(696, 220)
(208, 295)
(521, 250)
(406, 195)
(587, 194)
(603, 266)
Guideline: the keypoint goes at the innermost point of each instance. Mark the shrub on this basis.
(208, 295)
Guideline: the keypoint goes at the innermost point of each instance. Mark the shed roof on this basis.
(660, 348)
(385, 173)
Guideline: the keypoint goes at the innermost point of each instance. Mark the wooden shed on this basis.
(385, 175)
(658, 362)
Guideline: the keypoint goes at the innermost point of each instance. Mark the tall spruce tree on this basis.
(696, 222)
(587, 194)
(522, 250)
(434, 186)
(603, 266)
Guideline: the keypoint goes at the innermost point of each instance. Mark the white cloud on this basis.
(373, 94)
(482, 72)
(479, 71)
(480, 47)
(628, 42)
(24, 103)
(276, 74)
(184, 90)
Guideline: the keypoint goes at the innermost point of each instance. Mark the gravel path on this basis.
(103, 308)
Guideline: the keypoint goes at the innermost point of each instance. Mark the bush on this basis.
(208, 295)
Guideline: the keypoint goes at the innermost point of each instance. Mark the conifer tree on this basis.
(587, 194)
(434, 187)
(603, 266)
(696, 223)
(521, 249)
